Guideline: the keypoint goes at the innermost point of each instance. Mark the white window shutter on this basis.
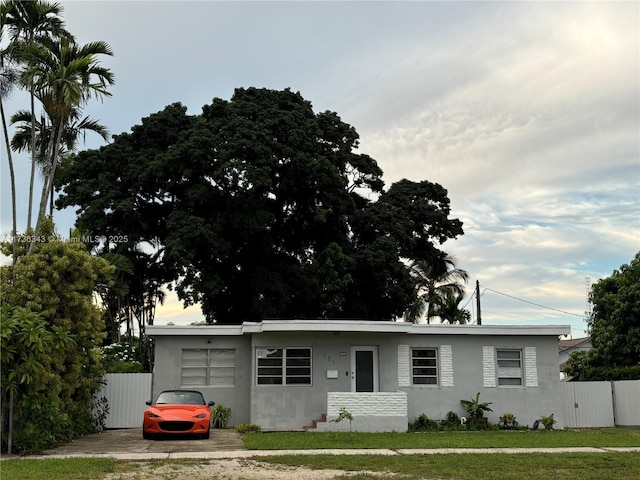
(404, 368)
(446, 366)
(530, 367)
(488, 367)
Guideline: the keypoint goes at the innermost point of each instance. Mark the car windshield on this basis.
(192, 398)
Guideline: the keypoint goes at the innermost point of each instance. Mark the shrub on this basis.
(220, 416)
(248, 428)
(595, 374)
(423, 424)
(452, 420)
(121, 357)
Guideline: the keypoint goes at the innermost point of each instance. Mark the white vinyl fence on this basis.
(126, 394)
(584, 404)
(627, 406)
(601, 404)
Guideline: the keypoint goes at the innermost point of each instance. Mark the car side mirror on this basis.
(147, 402)
(211, 404)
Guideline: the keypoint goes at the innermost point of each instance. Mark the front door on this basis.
(364, 369)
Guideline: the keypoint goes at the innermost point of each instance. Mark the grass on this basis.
(568, 466)
(605, 437)
(530, 466)
(56, 468)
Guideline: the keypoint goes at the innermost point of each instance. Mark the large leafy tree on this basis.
(615, 322)
(57, 281)
(614, 327)
(259, 207)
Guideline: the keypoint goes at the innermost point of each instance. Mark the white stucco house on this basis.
(287, 374)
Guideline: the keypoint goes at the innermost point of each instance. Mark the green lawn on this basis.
(605, 437)
(56, 468)
(567, 466)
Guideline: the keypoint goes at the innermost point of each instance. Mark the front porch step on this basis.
(314, 423)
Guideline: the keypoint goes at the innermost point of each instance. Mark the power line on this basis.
(532, 303)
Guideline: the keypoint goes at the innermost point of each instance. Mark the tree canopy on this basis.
(260, 208)
(614, 328)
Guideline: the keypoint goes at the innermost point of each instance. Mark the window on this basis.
(509, 367)
(283, 366)
(208, 367)
(424, 366)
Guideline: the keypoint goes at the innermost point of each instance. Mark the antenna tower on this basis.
(587, 287)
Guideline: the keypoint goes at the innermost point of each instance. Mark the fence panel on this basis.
(626, 400)
(587, 404)
(126, 394)
(569, 409)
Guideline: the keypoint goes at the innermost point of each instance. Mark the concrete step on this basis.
(314, 423)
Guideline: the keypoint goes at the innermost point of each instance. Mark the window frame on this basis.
(209, 368)
(506, 372)
(287, 366)
(414, 367)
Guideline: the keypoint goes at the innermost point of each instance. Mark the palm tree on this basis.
(28, 22)
(433, 285)
(8, 79)
(64, 76)
(73, 129)
(448, 309)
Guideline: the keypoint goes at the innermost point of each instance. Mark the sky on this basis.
(528, 113)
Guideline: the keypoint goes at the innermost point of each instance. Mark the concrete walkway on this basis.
(227, 454)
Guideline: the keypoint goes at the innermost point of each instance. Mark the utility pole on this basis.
(479, 322)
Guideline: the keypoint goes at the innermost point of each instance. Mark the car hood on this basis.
(170, 409)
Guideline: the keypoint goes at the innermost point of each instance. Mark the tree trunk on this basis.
(33, 159)
(48, 181)
(12, 178)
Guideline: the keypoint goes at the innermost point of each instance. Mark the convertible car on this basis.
(177, 412)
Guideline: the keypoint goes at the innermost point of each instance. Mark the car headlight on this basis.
(201, 415)
(153, 415)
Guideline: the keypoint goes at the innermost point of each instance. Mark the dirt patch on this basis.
(228, 469)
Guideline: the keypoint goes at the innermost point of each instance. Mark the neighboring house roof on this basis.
(566, 346)
(356, 326)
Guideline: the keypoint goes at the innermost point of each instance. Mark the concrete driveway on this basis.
(130, 441)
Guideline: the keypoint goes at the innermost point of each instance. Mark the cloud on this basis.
(527, 112)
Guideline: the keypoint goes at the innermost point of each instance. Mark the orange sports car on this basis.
(177, 412)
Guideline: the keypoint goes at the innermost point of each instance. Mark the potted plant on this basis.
(548, 422)
(508, 421)
(476, 409)
(220, 416)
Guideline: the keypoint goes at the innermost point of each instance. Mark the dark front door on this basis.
(364, 369)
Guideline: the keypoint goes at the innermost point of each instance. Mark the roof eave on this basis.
(275, 326)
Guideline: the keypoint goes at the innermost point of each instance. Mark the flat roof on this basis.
(248, 328)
